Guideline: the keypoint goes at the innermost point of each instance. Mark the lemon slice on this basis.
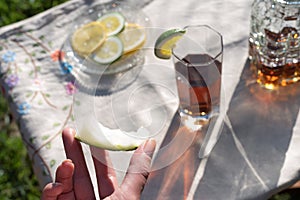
(166, 41)
(132, 37)
(114, 22)
(109, 51)
(88, 38)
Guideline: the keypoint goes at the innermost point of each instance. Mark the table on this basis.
(256, 154)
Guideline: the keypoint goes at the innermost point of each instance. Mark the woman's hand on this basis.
(73, 180)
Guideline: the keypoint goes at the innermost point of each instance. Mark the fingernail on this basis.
(55, 184)
(72, 131)
(69, 130)
(67, 161)
(149, 147)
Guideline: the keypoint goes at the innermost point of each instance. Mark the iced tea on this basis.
(274, 42)
(277, 62)
(198, 85)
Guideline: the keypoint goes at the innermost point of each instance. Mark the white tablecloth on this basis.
(257, 152)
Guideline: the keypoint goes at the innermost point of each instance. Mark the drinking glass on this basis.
(198, 63)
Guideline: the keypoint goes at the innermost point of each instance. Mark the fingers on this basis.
(138, 169)
(82, 184)
(63, 184)
(64, 175)
(106, 177)
(51, 191)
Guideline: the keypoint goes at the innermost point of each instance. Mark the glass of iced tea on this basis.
(198, 63)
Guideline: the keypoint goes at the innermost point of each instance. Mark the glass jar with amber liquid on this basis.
(274, 42)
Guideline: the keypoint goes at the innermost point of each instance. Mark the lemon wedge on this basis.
(166, 41)
(88, 38)
(113, 22)
(132, 37)
(109, 51)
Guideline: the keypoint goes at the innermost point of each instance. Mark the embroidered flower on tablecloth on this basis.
(71, 88)
(38, 85)
(23, 108)
(12, 80)
(9, 56)
(57, 55)
(66, 67)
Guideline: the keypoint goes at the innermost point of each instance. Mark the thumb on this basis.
(139, 168)
(51, 191)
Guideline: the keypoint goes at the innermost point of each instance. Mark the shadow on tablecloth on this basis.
(248, 158)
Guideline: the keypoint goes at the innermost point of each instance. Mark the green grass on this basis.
(16, 10)
(17, 180)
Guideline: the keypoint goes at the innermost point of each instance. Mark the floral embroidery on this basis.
(71, 88)
(38, 85)
(9, 56)
(66, 68)
(24, 108)
(57, 55)
(12, 80)
(36, 93)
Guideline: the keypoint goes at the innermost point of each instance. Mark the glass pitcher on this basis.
(274, 42)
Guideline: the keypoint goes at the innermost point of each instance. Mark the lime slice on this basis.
(133, 37)
(88, 38)
(114, 22)
(166, 41)
(109, 51)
